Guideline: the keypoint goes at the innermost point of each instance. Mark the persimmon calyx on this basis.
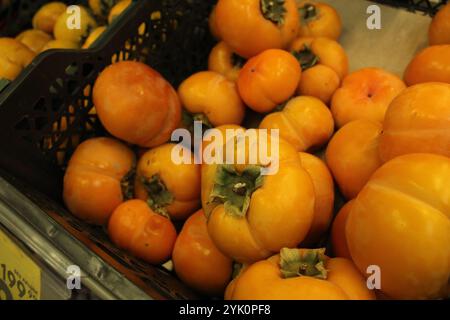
(306, 57)
(235, 189)
(158, 195)
(274, 10)
(307, 12)
(127, 183)
(188, 120)
(303, 262)
(237, 61)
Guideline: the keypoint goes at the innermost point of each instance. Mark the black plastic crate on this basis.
(47, 109)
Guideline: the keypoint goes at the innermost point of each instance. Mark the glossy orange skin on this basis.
(252, 33)
(34, 39)
(221, 61)
(338, 237)
(365, 94)
(400, 222)
(135, 228)
(136, 104)
(212, 21)
(181, 180)
(439, 31)
(269, 79)
(352, 155)
(329, 53)
(431, 65)
(209, 138)
(324, 192)
(92, 182)
(327, 22)
(265, 228)
(418, 120)
(305, 122)
(213, 95)
(197, 261)
(319, 81)
(262, 281)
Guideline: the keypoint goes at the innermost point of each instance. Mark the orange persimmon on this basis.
(365, 94)
(261, 24)
(338, 237)
(319, 20)
(197, 261)
(432, 64)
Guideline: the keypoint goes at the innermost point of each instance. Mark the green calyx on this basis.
(235, 189)
(127, 184)
(307, 12)
(158, 195)
(188, 120)
(306, 57)
(274, 10)
(237, 60)
(303, 262)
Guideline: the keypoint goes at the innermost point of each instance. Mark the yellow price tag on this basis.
(20, 277)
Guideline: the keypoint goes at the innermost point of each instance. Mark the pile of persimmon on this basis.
(51, 30)
(234, 230)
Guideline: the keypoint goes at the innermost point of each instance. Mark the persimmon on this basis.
(197, 261)
(365, 94)
(45, 18)
(439, 31)
(262, 24)
(60, 44)
(212, 99)
(432, 64)
(305, 122)
(300, 274)
(101, 8)
(338, 236)
(253, 206)
(269, 79)
(63, 30)
(324, 192)
(170, 188)
(136, 104)
(352, 155)
(212, 22)
(93, 36)
(319, 20)
(224, 61)
(97, 179)
(118, 9)
(14, 57)
(145, 234)
(418, 120)
(400, 222)
(324, 64)
(34, 39)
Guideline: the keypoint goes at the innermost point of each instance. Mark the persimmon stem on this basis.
(234, 189)
(306, 57)
(303, 262)
(308, 12)
(127, 183)
(274, 10)
(159, 197)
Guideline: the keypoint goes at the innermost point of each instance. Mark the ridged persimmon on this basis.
(224, 61)
(400, 222)
(97, 179)
(300, 274)
(305, 122)
(418, 120)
